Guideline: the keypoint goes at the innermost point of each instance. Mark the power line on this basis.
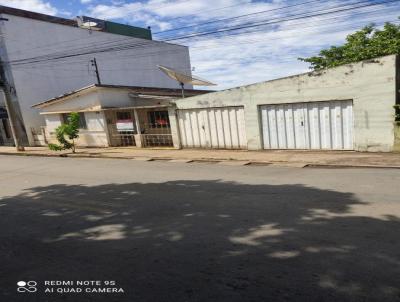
(195, 35)
(253, 60)
(275, 22)
(295, 25)
(206, 11)
(111, 43)
(136, 45)
(235, 18)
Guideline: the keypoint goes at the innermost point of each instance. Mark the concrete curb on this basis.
(227, 162)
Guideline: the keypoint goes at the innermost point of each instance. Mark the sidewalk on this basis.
(232, 157)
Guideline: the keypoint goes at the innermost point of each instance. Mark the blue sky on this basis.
(232, 60)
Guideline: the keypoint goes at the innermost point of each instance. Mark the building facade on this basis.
(350, 107)
(114, 116)
(47, 56)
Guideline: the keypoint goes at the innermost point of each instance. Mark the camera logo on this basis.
(27, 286)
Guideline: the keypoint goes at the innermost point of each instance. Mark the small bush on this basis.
(67, 133)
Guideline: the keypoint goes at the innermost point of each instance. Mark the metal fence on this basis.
(122, 138)
(156, 135)
(154, 128)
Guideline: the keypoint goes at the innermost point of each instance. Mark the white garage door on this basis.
(316, 125)
(221, 128)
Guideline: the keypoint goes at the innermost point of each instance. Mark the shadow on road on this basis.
(199, 241)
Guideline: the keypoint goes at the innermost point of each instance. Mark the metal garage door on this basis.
(316, 125)
(213, 128)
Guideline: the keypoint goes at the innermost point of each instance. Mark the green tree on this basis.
(367, 43)
(67, 133)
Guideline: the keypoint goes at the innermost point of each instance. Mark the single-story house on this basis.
(350, 107)
(113, 115)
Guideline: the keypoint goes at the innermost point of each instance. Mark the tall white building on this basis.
(47, 56)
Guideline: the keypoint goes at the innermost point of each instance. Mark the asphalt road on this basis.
(196, 232)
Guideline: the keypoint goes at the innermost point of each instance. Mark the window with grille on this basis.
(158, 119)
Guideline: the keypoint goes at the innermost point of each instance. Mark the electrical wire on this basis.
(236, 17)
(138, 45)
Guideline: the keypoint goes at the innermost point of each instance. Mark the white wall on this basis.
(26, 38)
(52, 122)
(86, 100)
(119, 97)
(370, 84)
(96, 133)
(94, 136)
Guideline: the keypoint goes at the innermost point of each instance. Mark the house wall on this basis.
(100, 124)
(52, 122)
(94, 136)
(370, 84)
(27, 38)
(120, 97)
(87, 100)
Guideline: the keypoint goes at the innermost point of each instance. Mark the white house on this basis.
(350, 107)
(115, 115)
(49, 56)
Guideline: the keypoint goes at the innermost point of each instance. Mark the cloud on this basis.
(247, 56)
(38, 6)
(86, 1)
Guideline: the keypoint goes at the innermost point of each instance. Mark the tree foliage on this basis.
(67, 133)
(367, 43)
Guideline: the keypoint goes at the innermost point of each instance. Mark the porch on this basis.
(146, 126)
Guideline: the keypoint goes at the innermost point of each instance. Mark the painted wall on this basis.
(27, 38)
(94, 136)
(52, 122)
(370, 84)
(92, 101)
(87, 100)
(120, 97)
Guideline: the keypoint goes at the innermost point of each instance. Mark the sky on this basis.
(239, 57)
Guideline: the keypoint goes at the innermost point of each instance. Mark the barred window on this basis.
(158, 119)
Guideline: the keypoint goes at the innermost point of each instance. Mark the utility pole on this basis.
(9, 105)
(94, 63)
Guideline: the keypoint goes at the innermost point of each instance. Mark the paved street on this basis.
(198, 232)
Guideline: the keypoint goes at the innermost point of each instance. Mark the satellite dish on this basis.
(89, 24)
(184, 79)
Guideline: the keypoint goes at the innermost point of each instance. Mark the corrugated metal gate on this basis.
(221, 128)
(316, 125)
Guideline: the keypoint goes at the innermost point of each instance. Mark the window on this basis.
(64, 118)
(82, 120)
(158, 119)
